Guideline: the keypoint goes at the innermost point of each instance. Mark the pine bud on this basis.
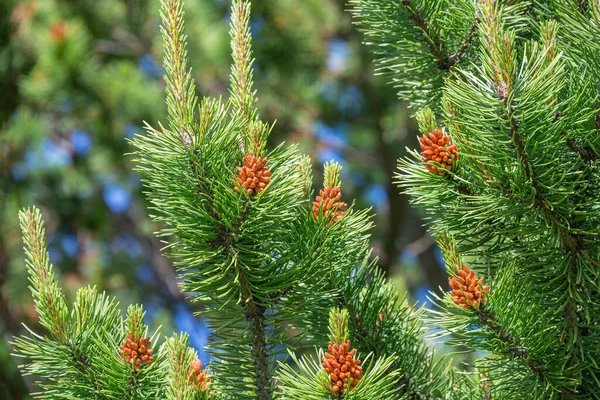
(436, 148)
(137, 351)
(254, 175)
(198, 377)
(468, 290)
(329, 201)
(341, 365)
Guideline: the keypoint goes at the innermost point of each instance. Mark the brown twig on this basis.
(515, 346)
(433, 43)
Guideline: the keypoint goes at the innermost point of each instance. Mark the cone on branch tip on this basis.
(436, 148)
(137, 351)
(468, 291)
(342, 367)
(254, 175)
(197, 376)
(329, 201)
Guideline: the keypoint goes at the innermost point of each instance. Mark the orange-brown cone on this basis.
(435, 148)
(329, 199)
(254, 175)
(137, 351)
(197, 376)
(467, 290)
(340, 364)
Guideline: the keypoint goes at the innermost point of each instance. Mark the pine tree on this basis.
(507, 99)
(506, 178)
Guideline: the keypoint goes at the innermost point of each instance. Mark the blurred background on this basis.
(78, 77)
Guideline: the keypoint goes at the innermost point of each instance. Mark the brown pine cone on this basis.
(254, 175)
(137, 351)
(435, 148)
(198, 377)
(467, 290)
(340, 365)
(332, 206)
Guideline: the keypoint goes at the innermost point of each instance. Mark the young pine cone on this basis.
(467, 290)
(198, 377)
(341, 365)
(330, 198)
(254, 175)
(137, 351)
(435, 148)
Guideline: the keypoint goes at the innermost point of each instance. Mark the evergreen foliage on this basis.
(79, 358)
(78, 77)
(520, 203)
(516, 88)
(266, 267)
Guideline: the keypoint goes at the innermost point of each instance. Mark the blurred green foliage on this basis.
(78, 77)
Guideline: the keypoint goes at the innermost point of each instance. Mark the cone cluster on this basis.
(137, 351)
(341, 365)
(467, 290)
(198, 377)
(254, 175)
(329, 201)
(435, 148)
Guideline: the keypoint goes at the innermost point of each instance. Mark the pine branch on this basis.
(49, 301)
(256, 317)
(181, 377)
(418, 42)
(432, 42)
(243, 97)
(383, 324)
(520, 193)
(466, 43)
(180, 88)
(515, 346)
(572, 243)
(585, 152)
(77, 358)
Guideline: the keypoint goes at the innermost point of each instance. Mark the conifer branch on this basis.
(49, 300)
(466, 43)
(75, 351)
(255, 314)
(180, 87)
(241, 78)
(510, 116)
(516, 348)
(179, 356)
(501, 55)
(585, 152)
(376, 312)
(432, 42)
